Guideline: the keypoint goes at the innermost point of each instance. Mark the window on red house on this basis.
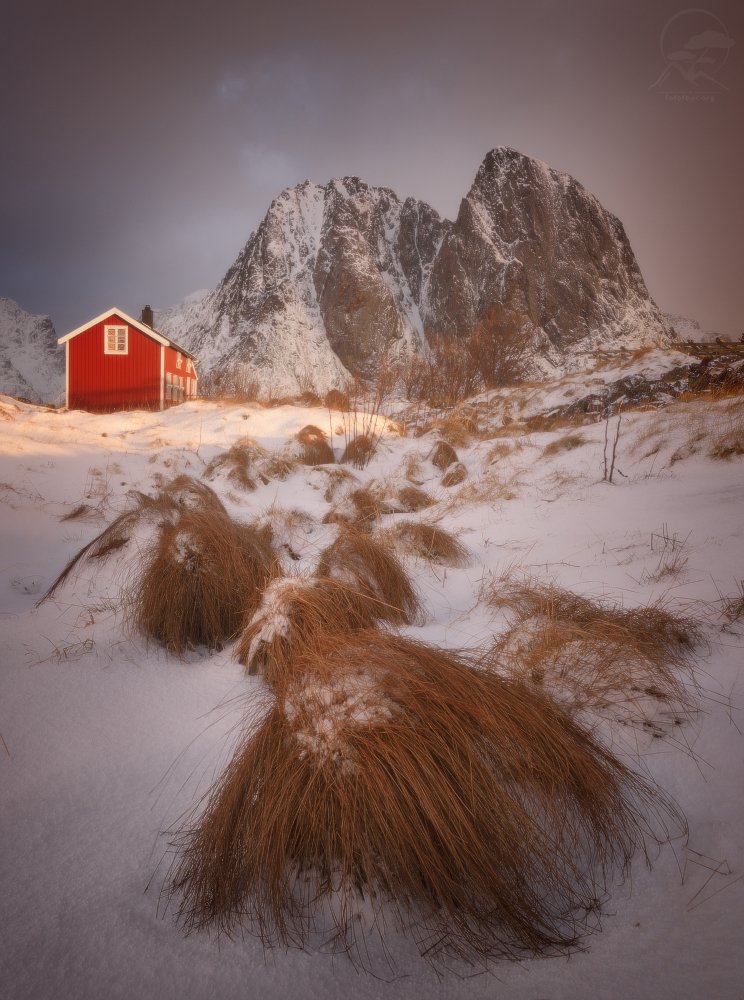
(115, 340)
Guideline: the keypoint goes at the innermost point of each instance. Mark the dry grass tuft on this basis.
(468, 806)
(275, 466)
(359, 450)
(365, 565)
(593, 655)
(238, 464)
(733, 607)
(360, 507)
(82, 510)
(413, 469)
(296, 613)
(182, 493)
(728, 445)
(442, 455)
(456, 429)
(336, 479)
(335, 399)
(487, 488)
(431, 543)
(369, 503)
(455, 474)
(540, 422)
(502, 449)
(205, 574)
(315, 447)
(413, 499)
(567, 443)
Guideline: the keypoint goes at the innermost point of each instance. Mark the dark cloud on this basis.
(143, 142)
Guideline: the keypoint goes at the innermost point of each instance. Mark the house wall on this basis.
(180, 378)
(104, 382)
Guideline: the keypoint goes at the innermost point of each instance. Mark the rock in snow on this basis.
(31, 364)
(336, 276)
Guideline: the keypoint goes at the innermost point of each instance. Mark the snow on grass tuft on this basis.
(467, 805)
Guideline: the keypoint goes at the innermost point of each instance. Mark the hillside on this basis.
(108, 740)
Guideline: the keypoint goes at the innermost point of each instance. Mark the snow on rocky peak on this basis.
(329, 282)
(31, 364)
(690, 329)
(339, 276)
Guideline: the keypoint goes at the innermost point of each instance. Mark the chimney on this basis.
(147, 317)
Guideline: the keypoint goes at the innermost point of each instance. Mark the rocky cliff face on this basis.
(31, 364)
(335, 277)
(531, 250)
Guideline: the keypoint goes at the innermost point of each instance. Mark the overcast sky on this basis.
(141, 143)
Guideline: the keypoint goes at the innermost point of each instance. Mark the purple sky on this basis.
(142, 143)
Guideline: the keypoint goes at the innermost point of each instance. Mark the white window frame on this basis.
(115, 329)
(179, 359)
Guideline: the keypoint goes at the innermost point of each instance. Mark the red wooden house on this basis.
(114, 362)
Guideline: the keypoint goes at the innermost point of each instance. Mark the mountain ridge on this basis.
(339, 276)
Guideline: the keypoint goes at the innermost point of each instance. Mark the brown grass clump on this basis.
(567, 443)
(487, 488)
(413, 469)
(315, 447)
(596, 656)
(335, 399)
(456, 429)
(275, 466)
(182, 493)
(336, 480)
(369, 503)
(82, 510)
(728, 445)
(540, 422)
(364, 564)
(238, 464)
(360, 507)
(468, 806)
(454, 475)
(205, 574)
(413, 499)
(502, 449)
(359, 450)
(297, 613)
(431, 543)
(309, 398)
(442, 455)
(733, 607)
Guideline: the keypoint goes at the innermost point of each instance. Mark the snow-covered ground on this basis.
(106, 741)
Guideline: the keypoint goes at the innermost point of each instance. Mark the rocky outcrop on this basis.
(339, 276)
(532, 251)
(715, 376)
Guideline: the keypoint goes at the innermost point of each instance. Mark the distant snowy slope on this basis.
(690, 329)
(31, 364)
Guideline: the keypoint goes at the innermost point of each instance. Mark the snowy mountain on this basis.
(337, 276)
(31, 365)
(533, 252)
(690, 329)
(331, 278)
